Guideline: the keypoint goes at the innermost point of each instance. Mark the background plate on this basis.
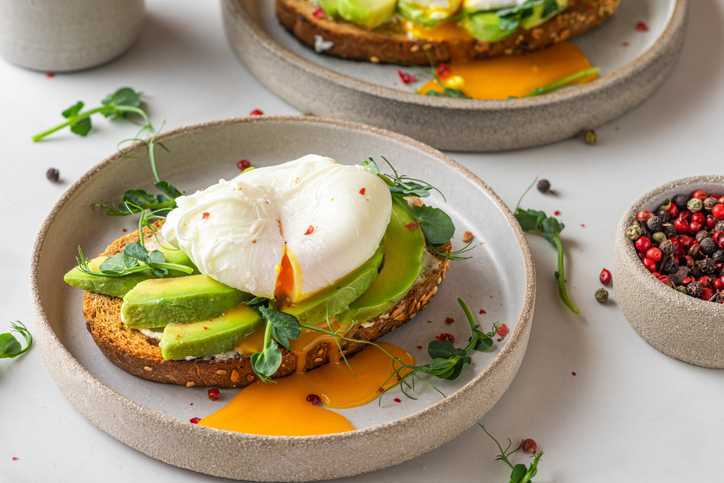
(153, 418)
(633, 65)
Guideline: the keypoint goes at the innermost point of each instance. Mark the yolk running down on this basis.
(282, 408)
(513, 76)
(284, 288)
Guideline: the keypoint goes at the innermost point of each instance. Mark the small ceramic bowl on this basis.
(67, 35)
(680, 326)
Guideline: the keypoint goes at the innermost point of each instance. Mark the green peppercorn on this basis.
(710, 202)
(659, 236)
(633, 232)
(680, 200)
(602, 295)
(682, 289)
(694, 205)
(590, 137)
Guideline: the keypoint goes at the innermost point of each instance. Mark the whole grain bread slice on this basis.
(394, 47)
(139, 355)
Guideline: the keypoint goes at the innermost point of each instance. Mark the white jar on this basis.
(66, 35)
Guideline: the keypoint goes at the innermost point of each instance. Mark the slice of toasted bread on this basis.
(389, 46)
(135, 353)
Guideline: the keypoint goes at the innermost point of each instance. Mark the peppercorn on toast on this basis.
(387, 45)
(139, 355)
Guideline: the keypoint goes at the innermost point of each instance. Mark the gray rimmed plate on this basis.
(633, 64)
(154, 418)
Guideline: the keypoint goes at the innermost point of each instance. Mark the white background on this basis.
(630, 413)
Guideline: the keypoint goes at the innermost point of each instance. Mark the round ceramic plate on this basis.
(154, 418)
(633, 66)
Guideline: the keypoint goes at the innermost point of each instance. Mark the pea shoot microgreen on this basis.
(436, 225)
(565, 81)
(519, 473)
(537, 222)
(454, 255)
(281, 328)
(134, 258)
(121, 104)
(124, 103)
(10, 346)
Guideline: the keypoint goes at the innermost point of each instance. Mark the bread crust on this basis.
(135, 353)
(387, 46)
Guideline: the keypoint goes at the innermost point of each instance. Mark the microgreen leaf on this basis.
(539, 223)
(436, 225)
(266, 363)
(447, 92)
(10, 347)
(285, 327)
(73, 110)
(440, 348)
(519, 471)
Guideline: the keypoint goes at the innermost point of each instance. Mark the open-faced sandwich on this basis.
(280, 269)
(425, 32)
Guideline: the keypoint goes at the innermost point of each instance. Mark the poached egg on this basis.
(288, 231)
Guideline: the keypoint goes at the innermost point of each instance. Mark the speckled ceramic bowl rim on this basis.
(524, 318)
(620, 75)
(644, 202)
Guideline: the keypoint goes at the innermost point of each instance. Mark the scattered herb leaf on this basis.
(123, 103)
(537, 222)
(281, 329)
(133, 259)
(285, 327)
(437, 226)
(519, 473)
(565, 81)
(10, 347)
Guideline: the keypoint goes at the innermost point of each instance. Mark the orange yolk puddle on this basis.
(281, 408)
(513, 76)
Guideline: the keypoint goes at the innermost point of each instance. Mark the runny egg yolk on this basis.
(287, 407)
(450, 31)
(285, 284)
(512, 76)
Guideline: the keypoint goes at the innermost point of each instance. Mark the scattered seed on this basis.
(529, 446)
(642, 26)
(53, 175)
(314, 399)
(605, 276)
(449, 320)
(310, 230)
(468, 237)
(243, 164)
(502, 330)
(50, 75)
(256, 113)
(195, 420)
(397, 400)
(406, 77)
(601, 295)
(214, 394)
(445, 336)
(544, 186)
(590, 137)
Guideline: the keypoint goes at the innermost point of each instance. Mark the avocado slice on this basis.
(336, 299)
(119, 286)
(489, 27)
(404, 246)
(329, 7)
(427, 16)
(158, 302)
(209, 337)
(369, 14)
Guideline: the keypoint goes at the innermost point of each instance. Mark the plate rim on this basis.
(657, 50)
(51, 342)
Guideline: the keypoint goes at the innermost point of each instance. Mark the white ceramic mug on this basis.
(66, 35)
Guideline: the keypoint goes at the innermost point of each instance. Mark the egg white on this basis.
(485, 5)
(329, 218)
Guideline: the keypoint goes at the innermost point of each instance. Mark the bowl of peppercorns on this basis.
(670, 269)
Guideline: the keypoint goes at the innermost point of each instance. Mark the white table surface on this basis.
(630, 413)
